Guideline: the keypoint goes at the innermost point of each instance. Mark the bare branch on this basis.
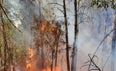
(8, 18)
(56, 4)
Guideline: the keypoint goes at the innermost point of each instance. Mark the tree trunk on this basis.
(5, 45)
(66, 35)
(74, 54)
(56, 53)
(103, 50)
(113, 53)
(52, 59)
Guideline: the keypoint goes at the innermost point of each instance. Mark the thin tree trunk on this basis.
(40, 14)
(5, 45)
(56, 53)
(74, 55)
(113, 53)
(66, 35)
(42, 51)
(0, 45)
(103, 50)
(52, 59)
(0, 55)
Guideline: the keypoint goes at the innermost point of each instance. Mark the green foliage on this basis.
(103, 3)
(113, 5)
(9, 28)
(94, 2)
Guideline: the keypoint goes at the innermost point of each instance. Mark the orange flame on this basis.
(49, 69)
(30, 65)
(28, 62)
(31, 52)
(43, 26)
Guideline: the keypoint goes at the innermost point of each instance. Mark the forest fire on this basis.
(31, 63)
(36, 59)
(57, 35)
(47, 27)
(43, 26)
(31, 53)
(49, 69)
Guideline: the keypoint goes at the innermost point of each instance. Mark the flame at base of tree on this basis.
(32, 64)
(43, 56)
(29, 61)
(49, 69)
